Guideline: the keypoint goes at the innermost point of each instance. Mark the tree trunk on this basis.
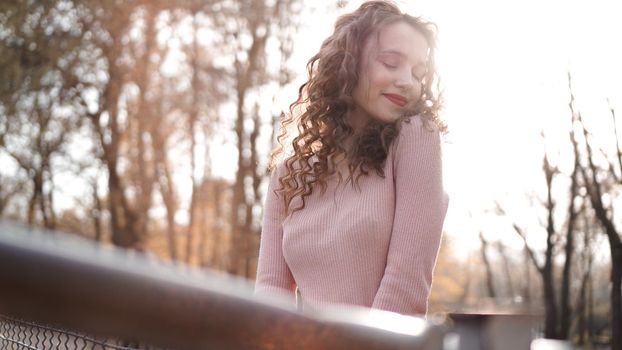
(140, 120)
(550, 305)
(489, 276)
(96, 212)
(615, 244)
(548, 283)
(581, 310)
(167, 189)
(527, 286)
(32, 203)
(217, 231)
(584, 305)
(566, 311)
(49, 205)
(616, 295)
(168, 194)
(506, 269)
(238, 186)
(192, 120)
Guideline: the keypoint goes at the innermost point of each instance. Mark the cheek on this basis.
(379, 79)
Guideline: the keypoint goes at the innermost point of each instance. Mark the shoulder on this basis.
(275, 174)
(415, 131)
(279, 168)
(419, 123)
(418, 142)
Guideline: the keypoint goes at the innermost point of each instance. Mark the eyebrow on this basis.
(401, 54)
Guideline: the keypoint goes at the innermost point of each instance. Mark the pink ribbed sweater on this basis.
(374, 247)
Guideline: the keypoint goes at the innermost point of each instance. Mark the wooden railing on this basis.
(67, 284)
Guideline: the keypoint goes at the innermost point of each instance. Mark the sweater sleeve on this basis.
(273, 275)
(420, 208)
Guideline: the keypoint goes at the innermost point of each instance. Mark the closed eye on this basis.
(390, 66)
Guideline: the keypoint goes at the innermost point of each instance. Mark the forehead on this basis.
(400, 38)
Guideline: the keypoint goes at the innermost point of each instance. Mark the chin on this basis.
(389, 118)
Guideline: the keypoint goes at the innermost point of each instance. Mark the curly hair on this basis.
(326, 97)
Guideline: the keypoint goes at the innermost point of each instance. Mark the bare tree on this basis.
(557, 316)
(545, 269)
(489, 273)
(121, 121)
(208, 93)
(599, 183)
(106, 66)
(248, 36)
(506, 268)
(569, 247)
(39, 96)
(584, 302)
(115, 21)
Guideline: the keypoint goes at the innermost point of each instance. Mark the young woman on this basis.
(369, 112)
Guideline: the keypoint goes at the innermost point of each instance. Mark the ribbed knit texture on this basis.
(374, 247)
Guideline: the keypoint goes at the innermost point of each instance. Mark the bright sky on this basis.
(504, 68)
(504, 65)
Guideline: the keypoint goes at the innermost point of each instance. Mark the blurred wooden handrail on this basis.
(64, 280)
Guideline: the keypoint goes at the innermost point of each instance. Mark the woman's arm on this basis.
(420, 208)
(273, 274)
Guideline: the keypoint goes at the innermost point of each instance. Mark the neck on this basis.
(357, 119)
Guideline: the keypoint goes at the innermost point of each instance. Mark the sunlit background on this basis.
(177, 70)
(504, 66)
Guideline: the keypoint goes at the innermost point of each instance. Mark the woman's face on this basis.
(391, 70)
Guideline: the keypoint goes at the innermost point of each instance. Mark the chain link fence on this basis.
(16, 334)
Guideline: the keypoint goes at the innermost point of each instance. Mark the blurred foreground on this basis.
(63, 292)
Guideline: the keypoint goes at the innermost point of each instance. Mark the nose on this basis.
(405, 81)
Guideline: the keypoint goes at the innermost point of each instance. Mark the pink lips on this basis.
(397, 99)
